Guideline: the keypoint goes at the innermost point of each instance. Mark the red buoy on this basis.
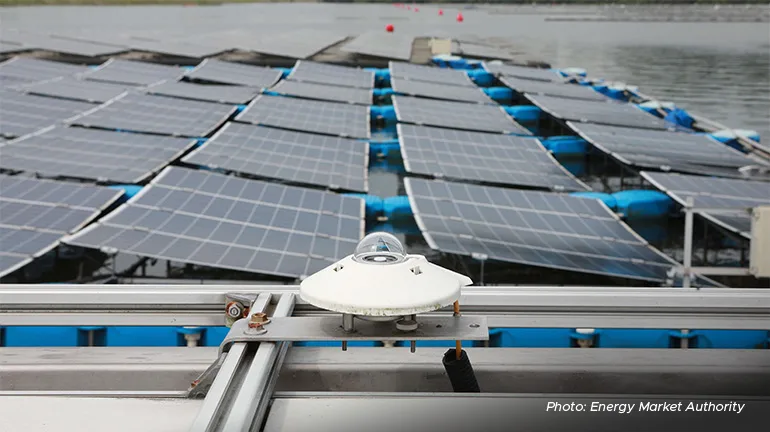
(389, 28)
(441, 12)
(416, 9)
(408, 8)
(460, 17)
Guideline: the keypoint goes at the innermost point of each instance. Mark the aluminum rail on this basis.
(504, 306)
(241, 391)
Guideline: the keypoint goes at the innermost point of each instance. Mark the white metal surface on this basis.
(760, 242)
(380, 279)
(66, 414)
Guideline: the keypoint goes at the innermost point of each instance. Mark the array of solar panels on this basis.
(299, 44)
(149, 116)
(36, 214)
(535, 228)
(716, 193)
(223, 221)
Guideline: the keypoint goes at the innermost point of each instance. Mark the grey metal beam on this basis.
(144, 372)
(453, 412)
(503, 306)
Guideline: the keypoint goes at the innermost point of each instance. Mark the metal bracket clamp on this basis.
(329, 328)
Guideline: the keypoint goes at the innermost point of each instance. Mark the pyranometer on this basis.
(381, 280)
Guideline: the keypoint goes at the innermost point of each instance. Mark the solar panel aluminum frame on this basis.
(299, 62)
(96, 212)
(708, 216)
(187, 76)
(74, 120)
(157, 180)
(433, 245)
(137, 180)
(440, 176)
(517, 128)
(664, 168)
(282, 181)
(368, 121)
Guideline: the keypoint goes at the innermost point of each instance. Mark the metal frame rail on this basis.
(239, 386)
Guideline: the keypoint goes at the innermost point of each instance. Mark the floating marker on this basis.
(460, 17)
(416, 9)
(441, 12)
(389, 28)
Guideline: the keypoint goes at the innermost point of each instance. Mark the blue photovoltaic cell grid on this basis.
(157, 114)
(215, 220)
(302, 158)
(535, 228)
(35, 214)
(665, 150)
(482, 157)
(328, 118)
(92, 154)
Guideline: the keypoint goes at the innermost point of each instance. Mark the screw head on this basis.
(234, 310)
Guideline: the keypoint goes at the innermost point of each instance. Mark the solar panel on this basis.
(302, 158)
(534, 228)
(93, 154)
(456, 115)
(715, 193)
(476, 50)
(221, 72)
(329, 118)
(176, 48)
(523, 72)
(62, 45)
(532, 87)
(210, 219)
(482, 157)
(298, 44)
(19, 70)
(439, 91)
(608, 113)
(376, 44)
(37, 213)
(409, 71)
(21, 113)
(133, 72)
(157, 114)
(75, 89)
(309, 90)
(205, 92)
(9, 47)
(668, 151)
(322, 73)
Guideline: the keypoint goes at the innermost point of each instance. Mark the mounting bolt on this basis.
(234, 310)
(258, 320)
(407, 325)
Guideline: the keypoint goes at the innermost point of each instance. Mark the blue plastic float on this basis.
(566, 145)
(524, 113)
(641, 204)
